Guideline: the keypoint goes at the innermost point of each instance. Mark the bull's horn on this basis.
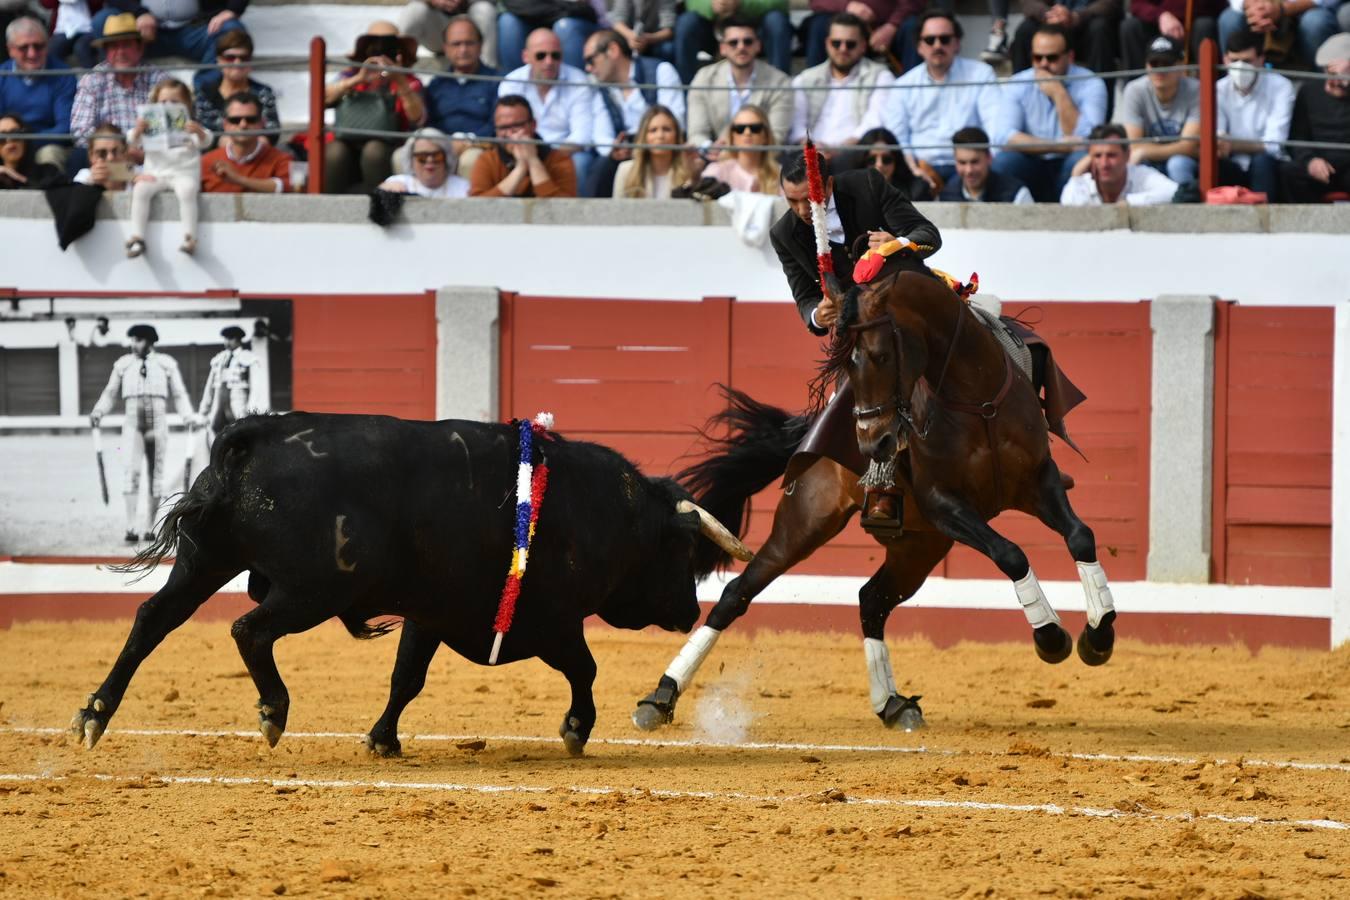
(716, 532)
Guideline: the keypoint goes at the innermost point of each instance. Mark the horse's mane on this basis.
(844, 337)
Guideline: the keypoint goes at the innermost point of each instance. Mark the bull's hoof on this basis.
(88, 724)
(1095, 645)
(1053, 644)
(658, 707)
(903, 714)
(573, 738)
(384, 748)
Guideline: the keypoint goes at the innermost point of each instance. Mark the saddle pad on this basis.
(1012, 344)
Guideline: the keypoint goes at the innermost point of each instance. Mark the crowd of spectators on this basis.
(546, 98)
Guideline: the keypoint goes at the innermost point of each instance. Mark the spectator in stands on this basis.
(1092, 27)
(697, 27)
(976, 181)
(176, 168)
(747, 81)
(102, 96)
(102, 335)
(652, 173)
(427, 21)
(617, 107)
(42, 103)
(1255, 105)
(561, 112)
(996, 48)
(1164, 105)
(19, 169)
(178, 27)
(891, 24)
(519, 167)
(836, 118)
(372, 99)
(234, 52)
(455, 104)
(244, 163)
(1321, 113)
(1150, 18)
(1292, 28)
(925, 113)
(72, 30)
(647, 25)
(1042, 121)
(1112, 178)
(430, 163)
(881, 154)
(744, 167)
(571, 20)
(109, 161)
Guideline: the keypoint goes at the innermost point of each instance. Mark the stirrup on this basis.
(884, 528)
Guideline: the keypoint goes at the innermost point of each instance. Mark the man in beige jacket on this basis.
(741, 80)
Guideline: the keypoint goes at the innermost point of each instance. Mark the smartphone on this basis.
(119, 170)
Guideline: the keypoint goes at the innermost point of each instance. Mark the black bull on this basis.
(356, 517)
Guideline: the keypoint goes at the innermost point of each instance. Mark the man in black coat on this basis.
(862, 210)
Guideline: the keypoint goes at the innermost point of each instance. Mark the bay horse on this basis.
(937, 398)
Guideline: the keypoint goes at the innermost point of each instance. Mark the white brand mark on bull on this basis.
(300, 436)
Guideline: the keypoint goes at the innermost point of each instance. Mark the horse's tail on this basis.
(758, 443)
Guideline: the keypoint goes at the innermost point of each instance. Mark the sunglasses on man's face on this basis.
(748, 128)
(1047, 58)
(943, 39)
(843, 45)
(541, 55)
(236, 58)
(430, 156)
(243, 120)
(741, 42)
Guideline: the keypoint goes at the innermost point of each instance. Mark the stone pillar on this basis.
(1181, 474)
(468, 358)
(1340, 478)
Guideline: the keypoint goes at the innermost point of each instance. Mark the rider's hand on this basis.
(827, 312)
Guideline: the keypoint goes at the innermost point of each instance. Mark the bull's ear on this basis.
(688, 521)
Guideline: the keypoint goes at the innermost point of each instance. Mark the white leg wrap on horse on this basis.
(1037, 608)
(1097, 592)
(879, 677)
(695, 650)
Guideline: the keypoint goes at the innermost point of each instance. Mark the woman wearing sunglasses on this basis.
(18, 169)
(429, 163)
(651, 173)
(743, 166)
(879, 145)
(234, 53)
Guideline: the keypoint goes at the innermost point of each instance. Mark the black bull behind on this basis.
(356, 517)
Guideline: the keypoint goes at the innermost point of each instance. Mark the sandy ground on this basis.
(991, 801)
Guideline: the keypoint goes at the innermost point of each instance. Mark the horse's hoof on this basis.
(1095, 645)
(658, 707)
(573, 740)
(903, 714)
(383, 749)
(1053, 644)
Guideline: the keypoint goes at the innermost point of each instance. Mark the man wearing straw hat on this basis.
(105, 96)
(177, 27)
(144, 379)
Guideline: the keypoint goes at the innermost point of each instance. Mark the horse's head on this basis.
(883, 361)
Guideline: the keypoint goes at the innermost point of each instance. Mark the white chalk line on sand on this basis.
(602, 791)
(715, 745)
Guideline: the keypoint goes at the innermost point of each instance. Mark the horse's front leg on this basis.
(909, 559)
(812, 510)
(1098, 639)
(961, 522)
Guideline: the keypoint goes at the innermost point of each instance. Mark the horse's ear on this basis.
(833, 289)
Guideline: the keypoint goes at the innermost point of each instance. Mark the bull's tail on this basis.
(758, 443)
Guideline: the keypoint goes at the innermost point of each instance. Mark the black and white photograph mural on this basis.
(109, 407)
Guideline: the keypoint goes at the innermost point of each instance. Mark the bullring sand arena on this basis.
(1198, 771)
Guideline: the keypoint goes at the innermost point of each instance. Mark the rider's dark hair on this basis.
(794, 168)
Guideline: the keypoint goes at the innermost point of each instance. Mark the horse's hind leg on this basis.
(819, 506)
(190, 584)
(1098, 640)
(416, 647)
(908, 562)
(962, 523)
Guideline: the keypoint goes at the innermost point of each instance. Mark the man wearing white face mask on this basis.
(1255, 105)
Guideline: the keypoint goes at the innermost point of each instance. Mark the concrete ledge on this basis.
(336, 210)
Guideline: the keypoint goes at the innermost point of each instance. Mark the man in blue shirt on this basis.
(1043, 121)
(455, 104)
(42, 102)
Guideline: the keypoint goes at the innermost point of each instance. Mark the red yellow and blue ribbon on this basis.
(531, 482)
